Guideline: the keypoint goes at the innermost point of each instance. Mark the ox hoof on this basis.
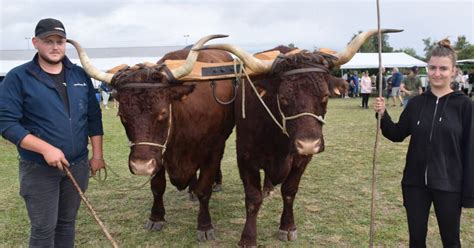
(284, 235)
(192, 197)
(217, 188)
(154, 225)
(203, 236)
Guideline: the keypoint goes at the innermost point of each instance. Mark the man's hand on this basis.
(55, 157)
(96, 164)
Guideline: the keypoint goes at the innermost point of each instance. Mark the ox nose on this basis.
(307, 147)
(142, 167)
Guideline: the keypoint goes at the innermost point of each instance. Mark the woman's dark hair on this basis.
(444, 49)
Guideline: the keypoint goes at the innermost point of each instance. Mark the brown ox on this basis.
(295, 89)
(178, 129)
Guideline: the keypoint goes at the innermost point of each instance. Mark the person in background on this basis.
(439, 167)
(366, 89)
(465, 79)
(470, 82)
(48, 109)
(457, 83)
(396, 81)
(355, 82)
(411, 86)
(105, 93)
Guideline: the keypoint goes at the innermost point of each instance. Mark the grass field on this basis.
(332, 208)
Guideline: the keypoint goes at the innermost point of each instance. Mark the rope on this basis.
(282, 126)
(156, 144)
(377, 137)
(238, 77)
(91, 209)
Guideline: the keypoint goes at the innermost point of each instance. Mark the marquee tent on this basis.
(389, 60)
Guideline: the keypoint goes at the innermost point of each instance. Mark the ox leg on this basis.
(217, 186)
(253, 200)
(289, 188)
(268, 188)
(191, 189)
(203, 191)
(157, 221)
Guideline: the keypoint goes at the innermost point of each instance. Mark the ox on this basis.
(178, 129)
(295, 90)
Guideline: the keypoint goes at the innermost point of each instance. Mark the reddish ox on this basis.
(295, 89)
(178, 129)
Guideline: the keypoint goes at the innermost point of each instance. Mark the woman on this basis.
(440, 160)
(365, 89)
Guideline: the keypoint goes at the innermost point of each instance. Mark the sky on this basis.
(256, 25)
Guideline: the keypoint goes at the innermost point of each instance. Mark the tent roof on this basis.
(465, 61)
(389, 60)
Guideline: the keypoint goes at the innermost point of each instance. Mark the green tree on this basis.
(462, 46)
(291, 45)
(461, 43)
(464, 49)
(428, 46)
(467, 53)
(410, 51)
(371, 45)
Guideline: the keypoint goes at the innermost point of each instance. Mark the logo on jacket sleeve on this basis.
(80, 85)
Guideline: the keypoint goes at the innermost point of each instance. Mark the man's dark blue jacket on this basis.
(30, 104)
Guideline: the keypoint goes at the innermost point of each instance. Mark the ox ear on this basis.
(180, 92)
(337, 86)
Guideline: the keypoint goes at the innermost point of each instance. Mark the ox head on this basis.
(147, 115)
(299, 83)
(145, 96)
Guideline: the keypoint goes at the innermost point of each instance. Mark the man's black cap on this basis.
(49, 26)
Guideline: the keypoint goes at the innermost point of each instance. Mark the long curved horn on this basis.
(88, 67)
(192, 56)
(351, 49)
(256, 65)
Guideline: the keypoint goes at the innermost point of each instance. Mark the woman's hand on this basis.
(379, 105)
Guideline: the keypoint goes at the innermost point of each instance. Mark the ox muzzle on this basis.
(309, 146)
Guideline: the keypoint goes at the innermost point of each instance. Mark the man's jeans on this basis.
(52, 201)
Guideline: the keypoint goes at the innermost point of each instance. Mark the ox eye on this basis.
(162, 115)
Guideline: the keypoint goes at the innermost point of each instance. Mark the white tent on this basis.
(102, 64)
(389, 60)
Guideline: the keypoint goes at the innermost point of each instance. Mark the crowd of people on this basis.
(398, 87)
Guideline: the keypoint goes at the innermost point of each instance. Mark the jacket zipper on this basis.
(431, 136)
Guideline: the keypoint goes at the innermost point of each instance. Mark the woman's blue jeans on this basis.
(52, 201)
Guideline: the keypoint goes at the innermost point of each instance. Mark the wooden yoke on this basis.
(203, 71)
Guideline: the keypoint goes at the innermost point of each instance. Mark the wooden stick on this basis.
(377, 137)
(89, 206)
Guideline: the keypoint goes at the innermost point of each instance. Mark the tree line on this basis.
(461, 45)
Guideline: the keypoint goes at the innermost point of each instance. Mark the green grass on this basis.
(332, 208)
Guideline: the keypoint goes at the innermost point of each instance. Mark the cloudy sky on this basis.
(255, 25)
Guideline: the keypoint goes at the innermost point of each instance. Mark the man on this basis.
(411, 86)
(396, 81)
(48, 109)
